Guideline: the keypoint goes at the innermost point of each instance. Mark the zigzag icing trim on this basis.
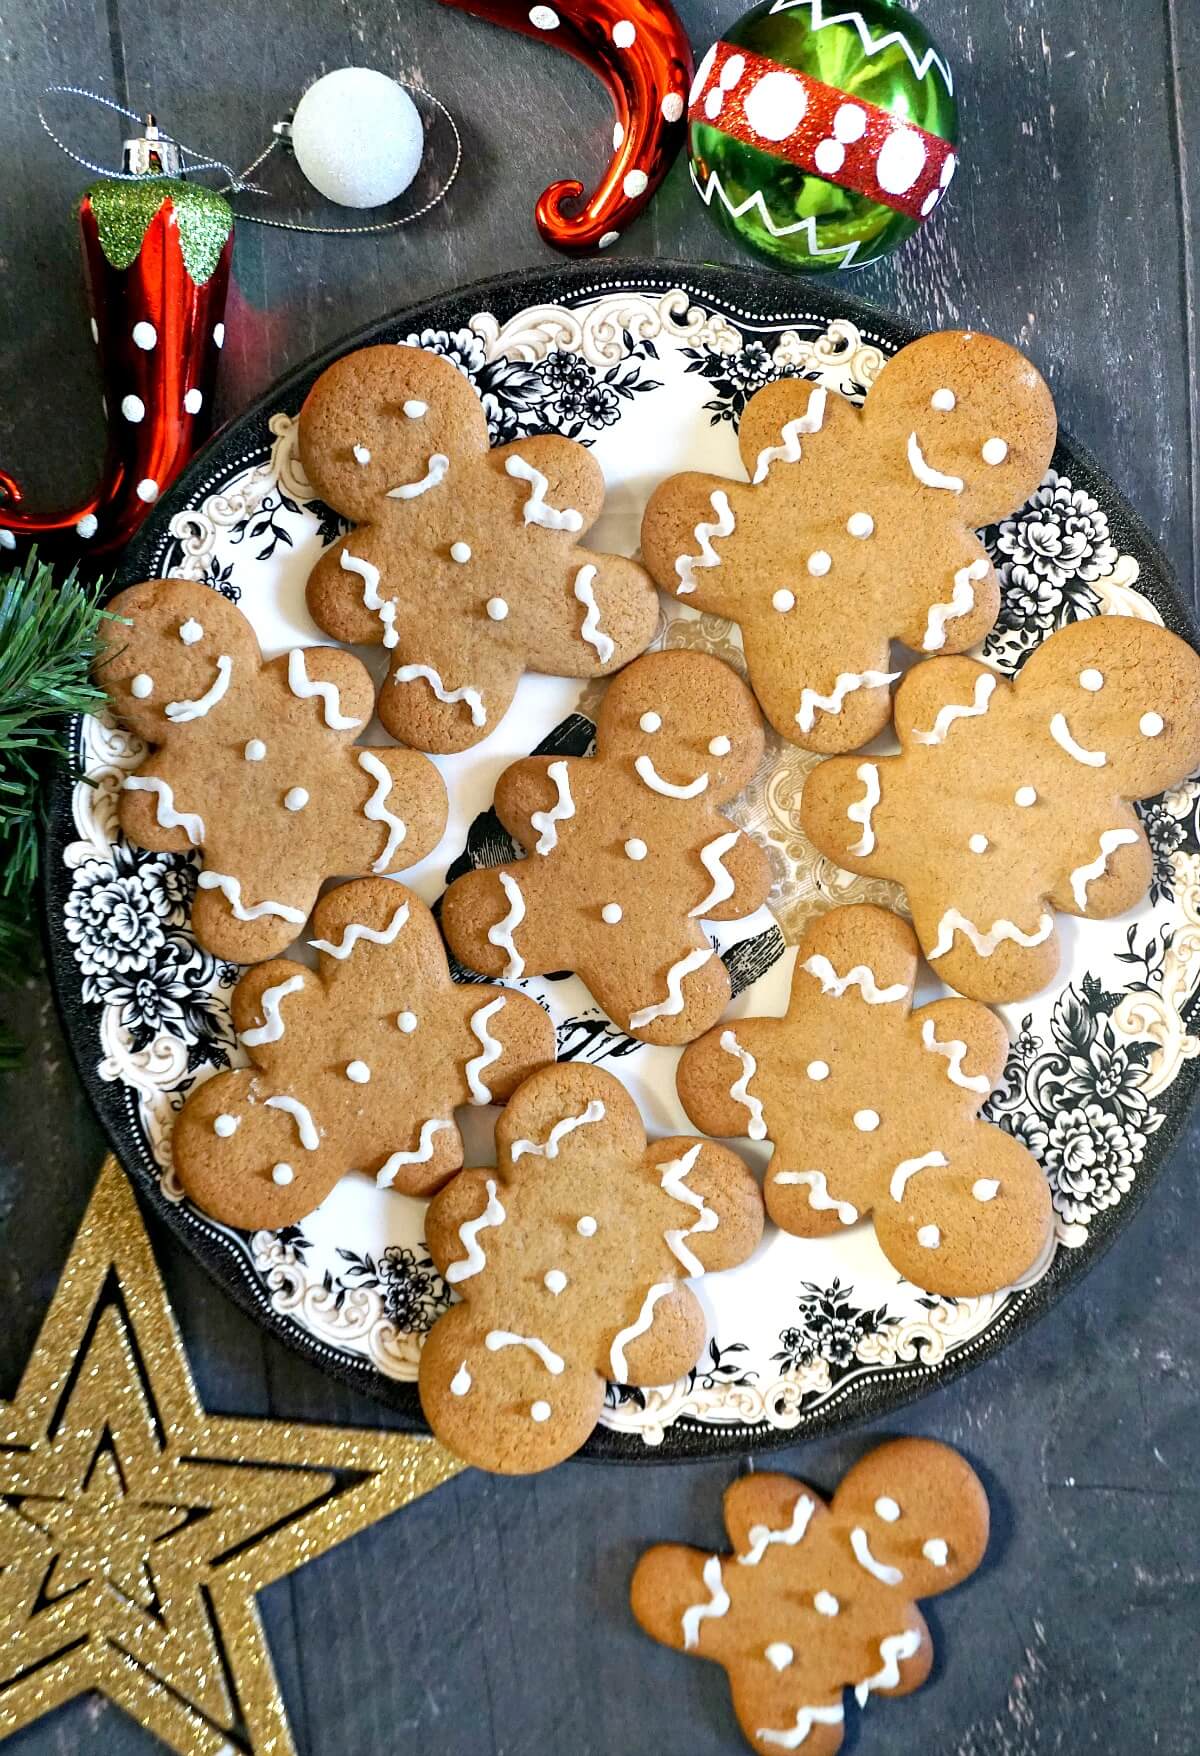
(962, 602)
(472, 697)
(564, 807)
(673, 1178)
(490, 1051)
(384, 608)
(676, 975)
(810, 421)
(272, 1027)
(1082, 876)
(711, 858)
(536, 509)
(859, 977)
(377, 811)
(953, 922)
(847, 683)
(946, 716)
(739, 1091)
(331, 702)
(591, 631)
(640, 1325)
(686, 565)
(165, 813)
(386, 1176)
(955, 1053)
(231, 888)
(868, 773)
(354, 932)
(549, 1148)
(474, 1260)
(502, 933)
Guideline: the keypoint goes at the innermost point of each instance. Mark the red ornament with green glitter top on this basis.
(156, 254)
(821, 134)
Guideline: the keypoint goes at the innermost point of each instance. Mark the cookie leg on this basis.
(775, 1714)
(218, 909)
(244, 1161)
(994, 959)
(499, 1404)
(679, 995)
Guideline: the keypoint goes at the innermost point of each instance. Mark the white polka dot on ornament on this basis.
(357, 137)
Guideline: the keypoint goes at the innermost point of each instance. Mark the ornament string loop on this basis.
(198, 162)
(240, 182)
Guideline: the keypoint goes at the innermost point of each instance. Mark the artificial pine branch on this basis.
(48, 638)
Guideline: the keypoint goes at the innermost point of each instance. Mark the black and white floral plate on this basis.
(651, 366)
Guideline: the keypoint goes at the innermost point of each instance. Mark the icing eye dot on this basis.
(460, 552)
(779, 1654)
(720, 747)
(1025, 796)
(929, 1237)
(497, 609)
(540, 1412)
(295, 799)
(943, 401)
(887, 1509)
(1150, 725)
(994, 450)
(986, 1189)
(255, 750)
(866, 1121)
(860, 524)
(783, 599)
(818, 1070)
(586, 1227)
(225, 1126)
(554, 1280)
(635, 848)
(282, 1174)
(461, 1381)
(651, 722)
(978, 844)
(826, 1604)
(358, 1072)
(936, 1551)
(191, 631)
(819, 563)
(141, 686)
(407, 1022)
(361, 454)
(1091, 680)
(611, 913)
(415, 409)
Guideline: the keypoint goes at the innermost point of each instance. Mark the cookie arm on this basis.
(677, 995)
(660, 1337)
(1109, 875)
(969, 1045)
(744, 864)
(462, 1199)
(351, 591)
(602, 614)
(150, 800)
(954, 598)
(667, 1581)
(707, 1072)
(444, 692)
(492, 900)
(574, 482)
(395, 812)
(527, 787)
(712, 1213)
(685, 528)
(510, 1036)
(837, 812)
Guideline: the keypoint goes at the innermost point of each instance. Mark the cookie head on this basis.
(1123, 704)
(918, 1515)
(974, 418)
(180, 648)
(686, 721)
(381, 423)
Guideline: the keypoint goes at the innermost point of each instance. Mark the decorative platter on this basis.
(651, 367)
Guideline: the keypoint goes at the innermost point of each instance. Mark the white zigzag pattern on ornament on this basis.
(873, 45)
(808, 224)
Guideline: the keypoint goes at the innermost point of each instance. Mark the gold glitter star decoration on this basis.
(136, 1528)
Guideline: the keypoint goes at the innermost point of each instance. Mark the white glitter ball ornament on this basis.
(357, 137)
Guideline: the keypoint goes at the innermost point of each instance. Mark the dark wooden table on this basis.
(492, 1616)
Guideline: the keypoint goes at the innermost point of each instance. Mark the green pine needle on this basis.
(49, 633)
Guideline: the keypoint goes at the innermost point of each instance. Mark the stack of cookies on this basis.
(1005, 804)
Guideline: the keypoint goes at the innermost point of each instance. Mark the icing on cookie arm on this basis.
(739, 874)
(685, 534)
(537, 797)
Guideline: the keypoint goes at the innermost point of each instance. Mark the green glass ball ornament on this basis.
(821, 133)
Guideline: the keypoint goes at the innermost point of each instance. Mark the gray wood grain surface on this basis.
(492, 1617)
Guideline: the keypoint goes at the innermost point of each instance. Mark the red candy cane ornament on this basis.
(640, 50)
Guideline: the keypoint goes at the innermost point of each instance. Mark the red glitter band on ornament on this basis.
(824, 131)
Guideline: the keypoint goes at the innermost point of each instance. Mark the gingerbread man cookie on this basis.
(872, 1108)
(359, 1065)
(628, 853)
(252, 763)
(570, 1260)
(465, 561)
(1010, 800)
(858, 528)
(818, 1598)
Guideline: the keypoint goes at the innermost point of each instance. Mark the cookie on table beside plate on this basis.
(628, 852)
(253, 763)
(873, 1109)
(819, 1598)
(358, 1065)
(1009, 801)
(857, 528)
(569, 1259)
(465, 561)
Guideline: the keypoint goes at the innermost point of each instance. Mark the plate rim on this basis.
(769, 297)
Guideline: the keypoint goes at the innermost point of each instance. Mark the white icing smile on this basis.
(435, 472)
(180, 712)
(1060, 731)
(925, 472)
(653, 779)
